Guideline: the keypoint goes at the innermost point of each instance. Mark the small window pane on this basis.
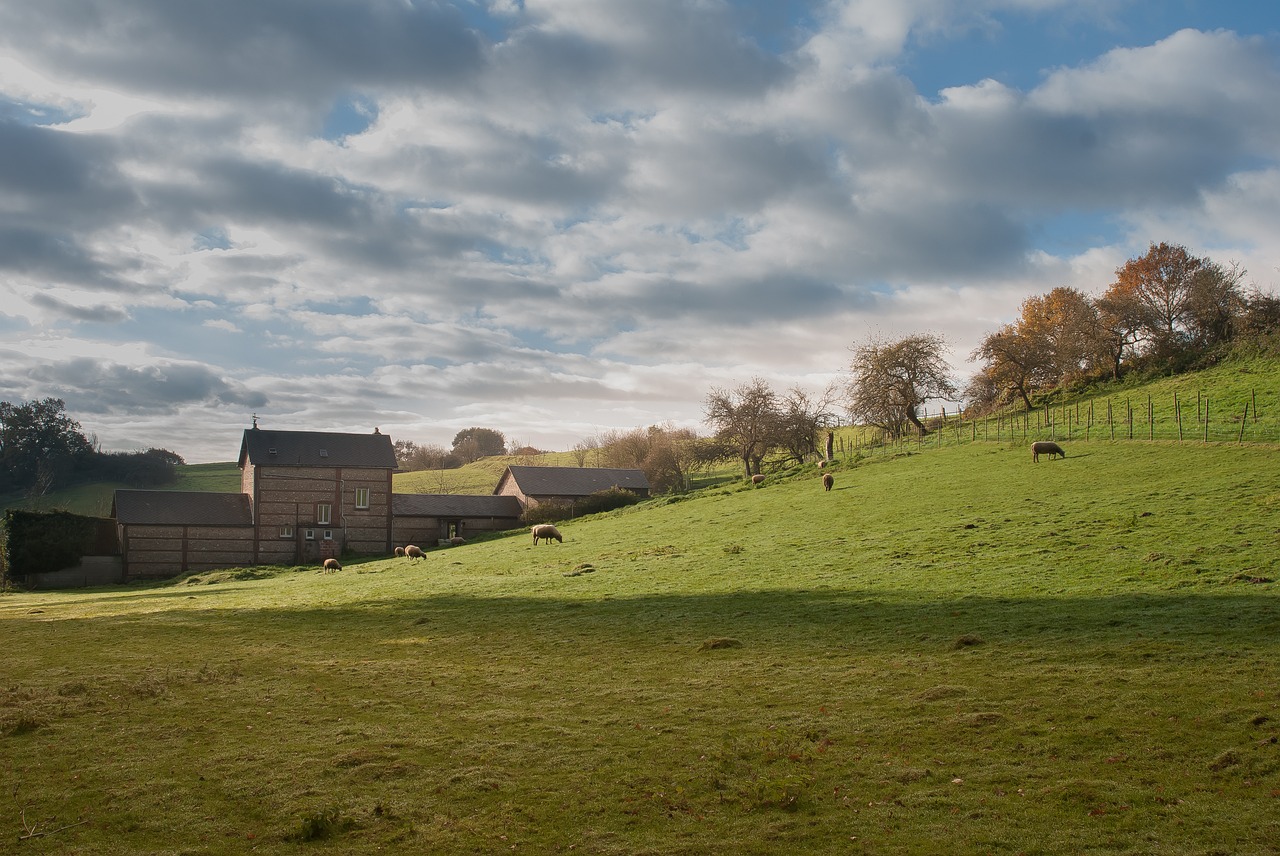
(362, 497)
(324, 513)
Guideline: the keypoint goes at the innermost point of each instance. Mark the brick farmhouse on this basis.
(308, 495)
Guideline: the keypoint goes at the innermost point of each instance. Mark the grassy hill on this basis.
(956, 651)
(94, 499)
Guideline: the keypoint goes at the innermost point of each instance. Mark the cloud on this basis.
(570, 213)
(98, 387)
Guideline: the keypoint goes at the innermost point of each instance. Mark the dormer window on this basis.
(324, 453)
(271, 451)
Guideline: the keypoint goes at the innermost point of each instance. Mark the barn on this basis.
(168, 532)
(427, 518)
(535, 485)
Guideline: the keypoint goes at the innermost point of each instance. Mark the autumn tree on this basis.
(745, 419)
(1056, 338)
(891, 381)
(1156, 290)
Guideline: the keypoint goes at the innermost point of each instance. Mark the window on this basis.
(309, 534)
(362, 497)
(286, 531)
(324, 513)
(328, 535)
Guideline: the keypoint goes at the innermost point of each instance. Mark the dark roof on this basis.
(316, 449)
(451, 505)
(181, 508)
(574, 481)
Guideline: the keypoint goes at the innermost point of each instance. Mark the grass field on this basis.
(955, 651)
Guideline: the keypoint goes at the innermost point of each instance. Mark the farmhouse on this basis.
(535, 485)
(310, 495)
(314, 495)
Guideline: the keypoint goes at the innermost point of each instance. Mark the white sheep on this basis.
(331, 565)
(757, 478)
(414, 552)
(457, 541)
(546, 531)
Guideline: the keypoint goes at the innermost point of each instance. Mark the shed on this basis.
(425, 518)
(534, 485)
(169, 532)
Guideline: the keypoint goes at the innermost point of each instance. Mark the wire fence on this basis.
(1249, 418)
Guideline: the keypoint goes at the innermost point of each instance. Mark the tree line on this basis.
(42, 449)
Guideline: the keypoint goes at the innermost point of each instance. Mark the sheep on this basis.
(1044, 447)
(757, 478)
(399, 552)
(827, 481)
(546, 532)
(414, 552)
(457, 541)
(331, 565)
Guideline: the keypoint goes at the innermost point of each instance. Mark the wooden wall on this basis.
(156, 552)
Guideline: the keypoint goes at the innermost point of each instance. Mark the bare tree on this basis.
(803, 417)
(892, 380)
(746, 419)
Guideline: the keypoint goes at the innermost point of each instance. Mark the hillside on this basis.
(959, 646)
(94, 499)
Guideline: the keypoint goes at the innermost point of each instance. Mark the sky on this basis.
(557, 218)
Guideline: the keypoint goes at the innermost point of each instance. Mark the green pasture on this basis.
(953, 651)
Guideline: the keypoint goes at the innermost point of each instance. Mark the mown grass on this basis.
(956, 651)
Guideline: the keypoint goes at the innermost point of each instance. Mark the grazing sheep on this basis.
(457, 541)
(413, 552)
(399, 552)
(757, 478)
(546, 532)
(827, 481)
(1044, 447)
(331, 565)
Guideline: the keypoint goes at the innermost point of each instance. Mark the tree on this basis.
(802, 417)
(471, 444)
(891, 381)
(1056, 338)
(745, 419)
(1215, 304)
(1010, 364)
(39, 441)
(1157, 288)
(663, 452)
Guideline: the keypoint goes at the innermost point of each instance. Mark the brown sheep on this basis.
(546, 532)
(414, 552)
(827, 481)
(331, 565)
(399, 552)
(1044, 447)
(457, 541)
(757, 478)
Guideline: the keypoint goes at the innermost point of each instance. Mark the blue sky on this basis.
(558, 218)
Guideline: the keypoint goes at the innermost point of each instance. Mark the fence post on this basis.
(1151, 419)
(1177, 414)
(1206, 419)
(1244, 420)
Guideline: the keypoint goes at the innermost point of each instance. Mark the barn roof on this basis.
(316, 449)
(181, 508)
(453, 505)
(573, 481)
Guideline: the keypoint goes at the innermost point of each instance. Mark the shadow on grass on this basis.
(1070, 627)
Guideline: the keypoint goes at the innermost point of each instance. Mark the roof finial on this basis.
(255, 422)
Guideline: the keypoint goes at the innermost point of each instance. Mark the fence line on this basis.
(1244, 423)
